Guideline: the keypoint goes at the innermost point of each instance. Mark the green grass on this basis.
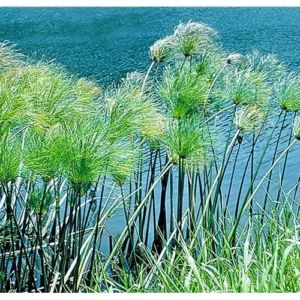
(264, 259)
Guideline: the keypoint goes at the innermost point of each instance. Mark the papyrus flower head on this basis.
(192, 35)
(187, 140)
(249, 119)
(246, 87)
(287, 92)
(162, 49)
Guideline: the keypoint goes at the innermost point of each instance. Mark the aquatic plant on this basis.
(162, 151)
(10, 57)
(287, 92)
(247, 87)
(191, 36)
(183, 93)
(249, 119)
(162, 49)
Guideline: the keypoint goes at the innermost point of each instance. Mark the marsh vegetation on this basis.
(189, 159)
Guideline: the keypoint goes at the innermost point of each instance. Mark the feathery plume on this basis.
(192, 35)
(162, 49)
(249, 118)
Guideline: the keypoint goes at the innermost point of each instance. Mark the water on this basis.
(106, 43)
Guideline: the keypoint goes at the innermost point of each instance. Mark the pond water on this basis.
(106, 43)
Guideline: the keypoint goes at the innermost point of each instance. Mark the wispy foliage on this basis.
(187, 140)
(192, 36)
(163, 49)
(10, 57)
(163, 150)
(249, 119)
(10, 158)
(248, 87)
(182, 93)
(287, 92)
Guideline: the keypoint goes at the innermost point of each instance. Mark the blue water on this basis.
(106, 43)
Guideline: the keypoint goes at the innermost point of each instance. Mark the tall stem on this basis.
(284, 166)
(134, 216)
(249, 199)
(273, 160)
(162, 219)
(147, 75)
(181, 177)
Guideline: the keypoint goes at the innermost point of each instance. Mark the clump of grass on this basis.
(264, 260)
(10, 57)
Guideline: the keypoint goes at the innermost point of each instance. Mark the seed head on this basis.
(249, 118)
(162, 49)
(287, 92)
(191, 35)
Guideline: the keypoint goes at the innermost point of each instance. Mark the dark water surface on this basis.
(105, 43)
